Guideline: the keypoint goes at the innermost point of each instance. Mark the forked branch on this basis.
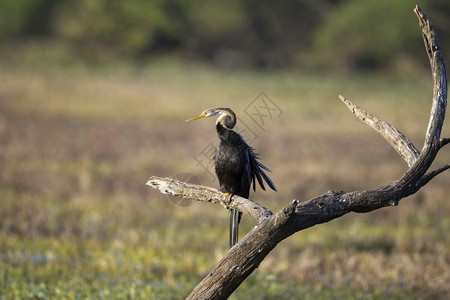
(246, 256)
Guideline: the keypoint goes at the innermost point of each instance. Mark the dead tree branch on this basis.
(271, 229)
(208, 194)
(398, 141)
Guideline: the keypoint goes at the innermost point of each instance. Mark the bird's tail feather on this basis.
(235, 218)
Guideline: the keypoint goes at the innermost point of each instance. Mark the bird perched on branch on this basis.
(236, 164)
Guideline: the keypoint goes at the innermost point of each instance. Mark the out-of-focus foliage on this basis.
(236, 32)
(366, 33)
(124, 28)
(254, 33)
(357, 35)
(259, 33)
(25, 17)
(374, 33)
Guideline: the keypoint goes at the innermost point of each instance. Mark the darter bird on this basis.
(236, 163)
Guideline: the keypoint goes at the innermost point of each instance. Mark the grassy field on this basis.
(78, 144)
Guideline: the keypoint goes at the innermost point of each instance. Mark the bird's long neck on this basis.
(227, 118)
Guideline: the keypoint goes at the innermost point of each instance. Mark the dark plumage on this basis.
(236, 163)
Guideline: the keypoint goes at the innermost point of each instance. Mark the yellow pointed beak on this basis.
(196, 118)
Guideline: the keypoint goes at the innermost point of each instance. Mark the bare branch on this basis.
(433, 48)
(398, 140)
(208, 194)
(444, 142)
(427, 177)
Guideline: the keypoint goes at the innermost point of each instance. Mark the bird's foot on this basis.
(227, 197)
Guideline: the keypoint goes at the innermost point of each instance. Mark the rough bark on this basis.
(245, 257)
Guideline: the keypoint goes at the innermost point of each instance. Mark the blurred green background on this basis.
(353, 35)
(93, 98)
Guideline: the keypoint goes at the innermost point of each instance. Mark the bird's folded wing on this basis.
(257, 171)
